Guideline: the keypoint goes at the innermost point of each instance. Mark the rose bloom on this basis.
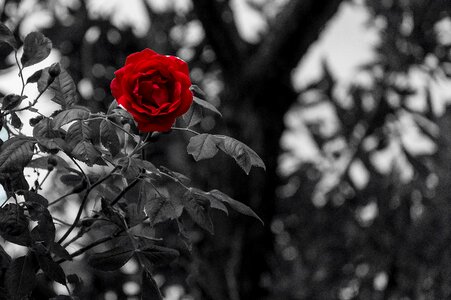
(153, 88)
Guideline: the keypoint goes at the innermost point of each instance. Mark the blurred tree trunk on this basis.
(257, 94)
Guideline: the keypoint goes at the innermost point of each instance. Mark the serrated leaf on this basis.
(197, 208)
(16, 153)
(160, 210)
(206, 105)
(109, 137)
(47, 136)
(236, 205)
(63, 88)
(193, 116)
(150, 290)
(7, 36)
(243, 154)
(20, 277)
(36, 48)
(202, 146)
(86, 152)
(112, 259)
(51, 268)
(69, 115)
(78, 137)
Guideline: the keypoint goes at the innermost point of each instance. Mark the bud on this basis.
(54, 70)
(35, 120)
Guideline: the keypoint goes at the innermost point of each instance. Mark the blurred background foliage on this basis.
(368, 218)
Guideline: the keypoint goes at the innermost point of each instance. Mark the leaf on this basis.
(129, 167)
(5, 259)
(63, 88)
(47, 136)
(36, 48)
(69, 115)
(78, 137)
(193, 116)
(109, 138)
(35, 197)
(16, 153)
(15, 121)
(6, 36)
(60, 251)
(157, 255)
(11, 101)
(160, 210)
(197, 208)
(243, 155)
(150, 290)
(35, 77)
(206, 105)
(45, 230)
(112, 259)
(50, 267)
(147, 165)
(202, 146)
(43, 162)
(236, 205)
(20, 277)
(71, 179)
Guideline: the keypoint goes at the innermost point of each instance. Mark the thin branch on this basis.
(82, 205)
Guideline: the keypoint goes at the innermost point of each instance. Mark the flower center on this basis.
(153, 90)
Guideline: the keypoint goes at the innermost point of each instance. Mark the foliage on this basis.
(73, 136)
(362, 230)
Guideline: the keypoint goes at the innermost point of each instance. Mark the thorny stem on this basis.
(83, 203)
(96, 216)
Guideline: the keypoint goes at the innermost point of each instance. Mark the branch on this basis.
(222, 34)
(294, 30)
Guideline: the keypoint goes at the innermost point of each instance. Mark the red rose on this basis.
(153, 88)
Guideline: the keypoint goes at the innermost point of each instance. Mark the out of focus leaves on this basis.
(7, 36)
